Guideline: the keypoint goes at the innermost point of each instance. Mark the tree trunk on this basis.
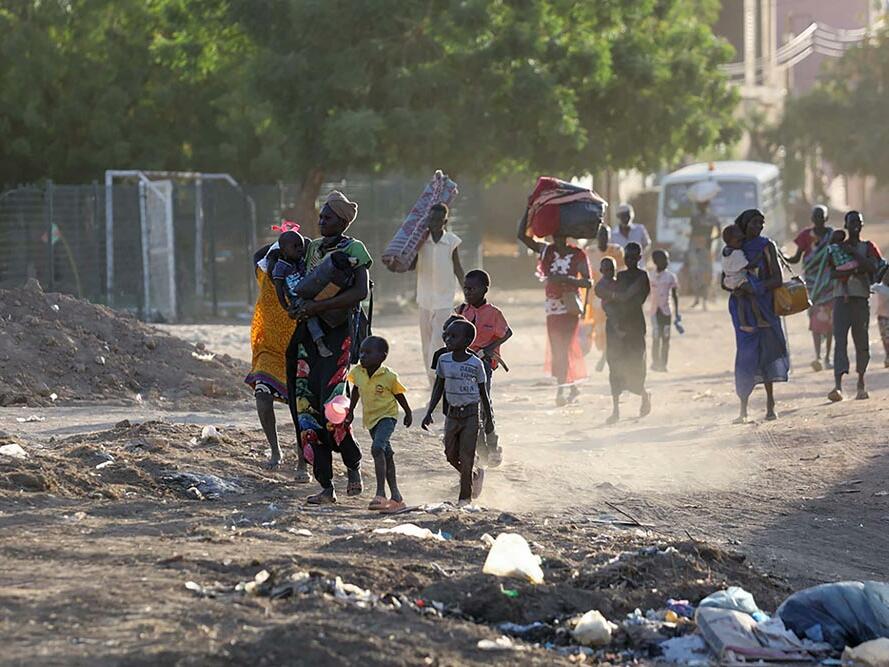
(305, 210)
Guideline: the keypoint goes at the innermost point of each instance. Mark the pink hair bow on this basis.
(286, 226)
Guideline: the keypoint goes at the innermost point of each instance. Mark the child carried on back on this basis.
(294, 284)
(736, 269)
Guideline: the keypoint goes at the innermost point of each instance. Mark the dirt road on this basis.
(95, 560)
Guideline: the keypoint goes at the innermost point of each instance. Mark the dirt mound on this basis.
(616, 574)
(154, 459)
(57, 344)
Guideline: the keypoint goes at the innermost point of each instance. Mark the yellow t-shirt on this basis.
(377, 393)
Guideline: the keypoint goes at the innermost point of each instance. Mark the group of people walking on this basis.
(316, 352)
(318, 355)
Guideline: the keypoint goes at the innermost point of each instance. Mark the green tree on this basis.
(484, 88)
(87, 85)
(843, 118)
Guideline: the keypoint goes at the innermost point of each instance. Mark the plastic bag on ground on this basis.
(411, 530)
(846, 613)
(13, 451)
(510, 556)
(736, 599)
(593, 629)
(874, 653)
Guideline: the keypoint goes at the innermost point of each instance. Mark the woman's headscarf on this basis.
(340, 204)
(744, 219)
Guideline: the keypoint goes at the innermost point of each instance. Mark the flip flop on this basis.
(395, 507)
(378, 503)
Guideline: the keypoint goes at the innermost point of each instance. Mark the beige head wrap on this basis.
(345, 209)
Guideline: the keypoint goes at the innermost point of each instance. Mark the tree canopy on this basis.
(304, 90)
(843, 118)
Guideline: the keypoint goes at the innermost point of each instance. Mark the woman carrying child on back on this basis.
(762, 356)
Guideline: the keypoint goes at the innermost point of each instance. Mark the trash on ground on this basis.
(686, 650)
(209, 356)
(593, 629)
(734, 598)
(104, 464)
(519, 629)
(209, 434)
(30, 418)
(842, 614)
(731, 633)
(252, 587)
(681, 607)
(13, 451)
(502, 643)
(411, 530)
(302, 532)
(510, 556)
(509, 592)
(874, 653)
(200, 486)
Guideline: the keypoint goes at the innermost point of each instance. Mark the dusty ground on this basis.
(95, 561)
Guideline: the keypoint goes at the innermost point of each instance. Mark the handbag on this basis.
(792, 296)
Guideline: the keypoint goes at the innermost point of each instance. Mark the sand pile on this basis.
(153, 459)
(56, 348)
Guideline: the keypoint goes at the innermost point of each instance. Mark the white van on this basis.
(742, 185)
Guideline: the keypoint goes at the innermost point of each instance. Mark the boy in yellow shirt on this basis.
(380, 393)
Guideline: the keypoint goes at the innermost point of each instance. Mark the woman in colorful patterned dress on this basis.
(313, 380)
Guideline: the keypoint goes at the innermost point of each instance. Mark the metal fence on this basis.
(181, 249)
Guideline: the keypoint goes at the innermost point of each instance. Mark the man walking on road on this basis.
(851, 309)
(628, 231)
(439, 273)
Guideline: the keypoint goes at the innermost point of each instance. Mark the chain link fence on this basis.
(109, 243)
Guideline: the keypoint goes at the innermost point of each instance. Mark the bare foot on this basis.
(302, 475)
(771, 416)
(613, 418)
(862, 394)
(740, 420)
(816, 365)
(273, 462)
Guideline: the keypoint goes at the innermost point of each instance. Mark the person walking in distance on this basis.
(439, 273)
(811, 248)
(628, 231)
(851, 306)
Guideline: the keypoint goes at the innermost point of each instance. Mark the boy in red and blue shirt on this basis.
(492, 330)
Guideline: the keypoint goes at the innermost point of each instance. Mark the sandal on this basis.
(301, 476)
(378, 503)
(323, 497)
(355, 485)
(395, 506)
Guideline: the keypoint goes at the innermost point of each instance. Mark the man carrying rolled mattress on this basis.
(439, 273)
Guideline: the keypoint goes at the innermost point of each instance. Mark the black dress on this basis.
(625, 351)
